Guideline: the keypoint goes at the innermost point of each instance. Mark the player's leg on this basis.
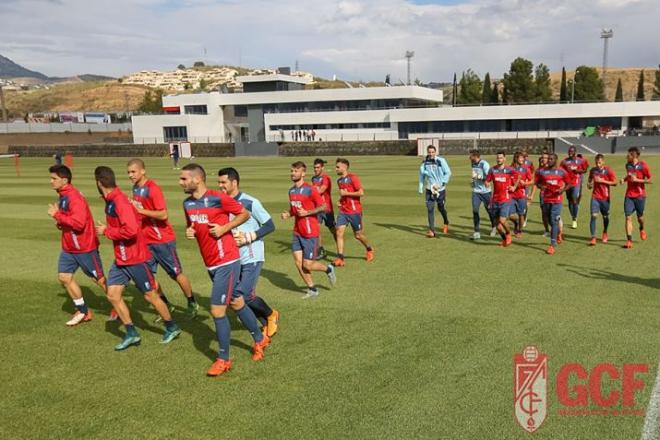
(595, 210)
(156, 250)
(640, 203)
(358, 233)
(220, 298)
(521, 206)
(66, 267)
(249, 321)
(246, 287)
(476, 219)
(309, 263)
(544, 216)
(430, 213)
(554, 214)
(441, 200)
(320, 217)
(629, 209)
(342, 222)
(605, 212)
(118, 279)
(168, 259)
(487, 199)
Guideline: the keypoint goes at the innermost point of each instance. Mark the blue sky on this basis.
(354, 39)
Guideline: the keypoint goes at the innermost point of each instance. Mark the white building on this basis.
(274, 107)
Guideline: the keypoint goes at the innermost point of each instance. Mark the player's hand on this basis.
(100, 228)
(190, 232)
(52, 209)
(285, 215)
(216, 230)
(512, 189)
(343, 192)
(302, 212)
(137, 205)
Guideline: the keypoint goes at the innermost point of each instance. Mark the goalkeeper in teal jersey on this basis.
(434, 174)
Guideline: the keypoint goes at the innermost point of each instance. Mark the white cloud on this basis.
(356, 39)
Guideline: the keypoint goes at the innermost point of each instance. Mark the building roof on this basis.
(272, 77)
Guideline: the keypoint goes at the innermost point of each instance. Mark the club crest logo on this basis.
(530, 370)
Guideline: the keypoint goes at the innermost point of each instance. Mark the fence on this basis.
(71, 127)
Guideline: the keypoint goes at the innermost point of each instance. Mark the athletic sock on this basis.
(641, 227)
(130, 330)
(340, 256)
(503, 235)
(80, 305)
(192, 300)
(629, 237)
(260, 308)
(223, 334)
(328, 269)
(170, 325)
(606, 223)
(369, 249)
(249, 321)
(592, 226)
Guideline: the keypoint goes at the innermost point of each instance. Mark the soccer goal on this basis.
(423, 143)
(10, 163)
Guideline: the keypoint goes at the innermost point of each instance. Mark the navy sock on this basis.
(191, 300)
(445, 218)
(249, 321)
(629, 237)
(592, 226)
(328, 269)
(130, 330)
(82, 308)
(606, 223)
(476, 220)
(223, 334)
(340, 256)
(170, 325)
(260, 308)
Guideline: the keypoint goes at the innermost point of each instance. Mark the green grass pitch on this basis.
(418, 344)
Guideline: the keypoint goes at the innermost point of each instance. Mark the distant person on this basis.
(79, 241)
(293, 136)
(434, 174)
(637, 176)
(175, 156)
(58, 158)
(504, 181)
(552, 181)
(281, 135)
(519, 195)
(481, 194)
(313, 135)
(575, 166)
(601, 178)
(323, 184)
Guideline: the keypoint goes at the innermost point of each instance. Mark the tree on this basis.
(618, 96)
(542, 88)
(203, 84)
(199, 64)
(640, 86)
(152, 102)
(563, 92)
(588, 85)
(470, 86)
(181, 67)
(495, 94)
(656, 88)
(486, 91)
(519, 82)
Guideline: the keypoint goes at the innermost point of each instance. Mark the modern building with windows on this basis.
(272, 108)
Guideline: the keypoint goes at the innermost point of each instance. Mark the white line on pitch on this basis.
(651, 430)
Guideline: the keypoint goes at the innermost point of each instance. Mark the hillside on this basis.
(9, 69)
(629, 78)
(86, 96)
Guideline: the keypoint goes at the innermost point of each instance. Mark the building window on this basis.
(196, 110)
(240, 111)
(175, 133)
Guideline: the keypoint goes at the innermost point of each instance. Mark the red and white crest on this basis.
(530, 370)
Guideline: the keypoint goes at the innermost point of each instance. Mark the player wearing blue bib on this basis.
(249, 238)
(434, 174)
(480, 193)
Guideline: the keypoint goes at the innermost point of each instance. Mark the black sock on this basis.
(340, 256)
(164, 298)
(259, 307)
(369, 249)
(629, 237)
(503, 235)
(641, 227)
(328, 269)
(191, 300)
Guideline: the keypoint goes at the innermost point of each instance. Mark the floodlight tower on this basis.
(409, 55)
(605, 34)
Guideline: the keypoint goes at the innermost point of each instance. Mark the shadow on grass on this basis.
(599, 274)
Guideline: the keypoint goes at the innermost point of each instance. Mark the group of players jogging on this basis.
(505, 191)
(228, 225)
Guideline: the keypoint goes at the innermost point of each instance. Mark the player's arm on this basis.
(160, 211)
(76, 218)
(319, 205)
(488, 179)
(128, 225)
(446, 171)
(420, 186)
(230, 206)
(647, 175)
(359, 191)
(266, 225)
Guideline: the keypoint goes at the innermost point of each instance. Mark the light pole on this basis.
(409, 55)
(605, 34)
(573, 86)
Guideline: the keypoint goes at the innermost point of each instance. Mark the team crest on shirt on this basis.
(199, 218)
(206, 202)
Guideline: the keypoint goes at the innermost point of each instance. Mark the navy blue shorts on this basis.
(501, 209)
(224, 280)
(308, 246)
(635, 205)
(89, 262)
(247, 284)
(552, 211)
(355, 220)
(440, 198)
(600, 206)
(139, 273)
(326, 218)
(165, 255)
(573, 193)
(519, 206)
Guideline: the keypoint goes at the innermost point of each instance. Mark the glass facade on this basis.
(175, 133)
(196, 110)
(336, 106)
(331, 126)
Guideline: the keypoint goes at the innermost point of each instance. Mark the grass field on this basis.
(418, 344)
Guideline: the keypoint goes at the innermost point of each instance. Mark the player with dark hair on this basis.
(552, 181)
(481, 194)
(323, 184)
(159, 235)
(601, 178)
(637, 177)
(79, 242)
(504, 180)
(131, 258)
(519, 196)
(210, 217)
(350, 210)
(543, 163)
(249, 239)
(575, 165)
(305, 203)
(434, 174)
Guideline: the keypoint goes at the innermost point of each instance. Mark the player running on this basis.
(150, 203)
(637, 176)
(504, 181)
(575, 166)
(543, 163)
(305, 203)
(79, 242)
(350, 210)
(552, 181)
(323, 184)
(249, 239)
(529, 164)
(601, 177)
(208, 221)
(131, 259)
(481, 193)
(434, 174)
(520, 194)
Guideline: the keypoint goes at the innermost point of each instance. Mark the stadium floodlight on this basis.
(605, 34)
(409, 55)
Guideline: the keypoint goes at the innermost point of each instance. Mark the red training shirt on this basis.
(75, 220)
(305, 197)
(601, 191)
(525, 174)
(324, 180)
(124, 230)
(551, 181)
(350, 204)
(571, 166)
(502, 178)
(150, 197)
(641, 171)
